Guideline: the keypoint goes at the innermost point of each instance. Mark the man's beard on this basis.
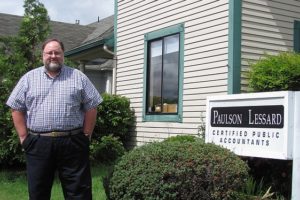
(53, 66)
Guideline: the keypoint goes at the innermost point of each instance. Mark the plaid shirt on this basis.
(54, 104)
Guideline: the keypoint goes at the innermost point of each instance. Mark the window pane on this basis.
(171, 44)
(155, 77)
(170, 74)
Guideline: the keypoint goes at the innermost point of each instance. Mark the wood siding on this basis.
(205, 58)
(267, 27)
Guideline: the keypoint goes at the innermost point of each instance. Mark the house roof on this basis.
(82, 42)
(92, 47)
(102, 26)
(71, 35)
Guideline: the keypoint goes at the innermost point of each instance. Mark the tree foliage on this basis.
(18, 54)
(34, 29)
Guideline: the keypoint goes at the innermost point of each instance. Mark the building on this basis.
(95, 54)
(172, 55)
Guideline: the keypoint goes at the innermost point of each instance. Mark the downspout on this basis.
(114, 71)
(82, 66)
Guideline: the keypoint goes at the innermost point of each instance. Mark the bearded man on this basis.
(54, 109)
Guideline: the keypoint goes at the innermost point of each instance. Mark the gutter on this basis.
(84, 48)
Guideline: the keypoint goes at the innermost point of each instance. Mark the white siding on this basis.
(205, 57)
(267, 27)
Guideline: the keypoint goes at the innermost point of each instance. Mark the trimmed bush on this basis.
(275, 73)
(115, 117)
(177, 170)
(108, 150)
(181, 138)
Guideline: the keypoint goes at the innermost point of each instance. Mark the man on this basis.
(54, 113)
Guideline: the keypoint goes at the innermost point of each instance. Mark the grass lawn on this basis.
(14, 184)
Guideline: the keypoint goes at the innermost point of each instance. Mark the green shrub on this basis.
(181, 138)
(275, 72)
(177, 170)
(108, 150)
(275, 173)
(115, 117)
(12, 67)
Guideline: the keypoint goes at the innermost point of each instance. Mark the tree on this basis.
(34, 29)
(18, 54)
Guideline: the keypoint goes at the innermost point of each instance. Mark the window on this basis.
(163, 74)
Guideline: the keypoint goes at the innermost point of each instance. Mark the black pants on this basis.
(68, 155)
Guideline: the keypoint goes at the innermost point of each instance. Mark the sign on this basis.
(248, 116)
(254, 124)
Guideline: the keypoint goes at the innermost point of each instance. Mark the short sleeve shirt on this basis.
(54, 104)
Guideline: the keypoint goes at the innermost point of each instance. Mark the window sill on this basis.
(162, 118)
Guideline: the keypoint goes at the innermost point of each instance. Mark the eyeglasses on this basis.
(55, 53)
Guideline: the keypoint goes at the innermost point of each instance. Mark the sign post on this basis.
(296, 150)
(265, 125)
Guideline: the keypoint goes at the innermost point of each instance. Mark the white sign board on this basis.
(253, 124)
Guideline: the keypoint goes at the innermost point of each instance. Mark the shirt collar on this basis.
(60, 72)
